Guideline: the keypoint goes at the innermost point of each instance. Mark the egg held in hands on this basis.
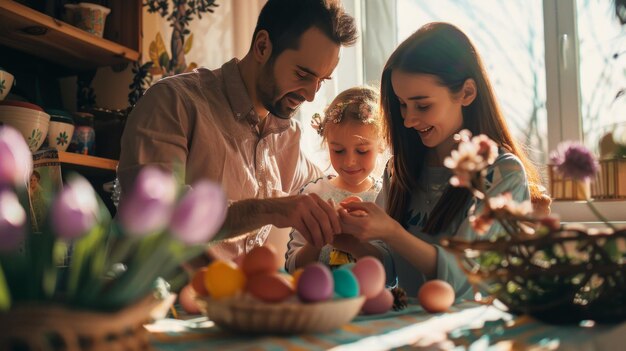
(354, 198)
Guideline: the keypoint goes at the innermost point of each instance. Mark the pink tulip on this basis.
(16, 161)
(200, 213)
(12, 220)
(75, 209)
(148, 207)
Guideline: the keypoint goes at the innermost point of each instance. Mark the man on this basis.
(233, 125)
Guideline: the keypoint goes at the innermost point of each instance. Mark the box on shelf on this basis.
(610, 182)
(564, 188)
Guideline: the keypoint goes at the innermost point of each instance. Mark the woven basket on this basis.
(562, 277)
(255, 317)
(49, 327)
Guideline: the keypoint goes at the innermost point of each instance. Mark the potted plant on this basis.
(101, 293)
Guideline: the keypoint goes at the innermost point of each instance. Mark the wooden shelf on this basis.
(38, 34)
(87, 161)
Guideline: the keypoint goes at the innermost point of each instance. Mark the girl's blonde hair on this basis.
(358, 104)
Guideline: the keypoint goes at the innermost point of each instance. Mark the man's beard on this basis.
(268, 91)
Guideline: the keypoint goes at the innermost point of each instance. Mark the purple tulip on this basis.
(148, 207)
(12, 220)
(16, 161)
(75, 209)
(199, 214)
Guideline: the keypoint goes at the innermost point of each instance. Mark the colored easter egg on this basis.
(436, 296)
(381, 303)
(261, 259)
(197, 282)
(315, 283)
(269, 287)
(223, 279)
(371, 276)
(347, 266)
(352, 198)
(296, 275)
(346, 284)
(187, 300)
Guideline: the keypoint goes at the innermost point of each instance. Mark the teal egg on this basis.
(347, 266)
(346, 284)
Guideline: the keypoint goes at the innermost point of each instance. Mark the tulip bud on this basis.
(12, 220)
(200, 213)
(148, 207)
(75, 209)
(16, 161)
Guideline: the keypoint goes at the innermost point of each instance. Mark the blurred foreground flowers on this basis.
(113, 263)
(555, 272)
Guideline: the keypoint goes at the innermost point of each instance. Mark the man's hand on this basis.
(314, 218)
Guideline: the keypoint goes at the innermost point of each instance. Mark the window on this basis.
(556, 66)
(602, 52)
(509, 37)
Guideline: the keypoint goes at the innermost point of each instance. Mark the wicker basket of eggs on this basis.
(256, 296)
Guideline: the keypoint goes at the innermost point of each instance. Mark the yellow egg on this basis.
(223, 279)
(296, 275)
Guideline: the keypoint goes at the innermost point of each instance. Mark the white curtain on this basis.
(244, 14)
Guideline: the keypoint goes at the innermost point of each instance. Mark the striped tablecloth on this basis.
(467, 326)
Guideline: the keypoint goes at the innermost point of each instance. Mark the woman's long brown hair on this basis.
(442, 50)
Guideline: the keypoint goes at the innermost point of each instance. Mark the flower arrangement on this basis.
(114, 263)
(538, 266)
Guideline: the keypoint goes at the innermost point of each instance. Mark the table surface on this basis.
(467, 326)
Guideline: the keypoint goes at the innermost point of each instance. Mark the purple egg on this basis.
(315, 283)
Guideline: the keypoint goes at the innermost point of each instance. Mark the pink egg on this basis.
(371, 276)
(436, 296)
(186, 298)
(379, 304)
(315, 283)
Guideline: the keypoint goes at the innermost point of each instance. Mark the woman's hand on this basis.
(367, 221)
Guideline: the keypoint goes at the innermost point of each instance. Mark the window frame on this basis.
(563, 101)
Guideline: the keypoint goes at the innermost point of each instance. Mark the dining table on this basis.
(466, 325)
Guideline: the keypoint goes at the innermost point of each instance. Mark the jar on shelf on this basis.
(84, 138)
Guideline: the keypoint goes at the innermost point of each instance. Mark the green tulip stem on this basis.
(599, 215)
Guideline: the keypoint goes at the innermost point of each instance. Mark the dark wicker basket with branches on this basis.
(564, 276)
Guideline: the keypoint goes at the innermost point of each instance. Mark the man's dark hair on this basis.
(286, 21)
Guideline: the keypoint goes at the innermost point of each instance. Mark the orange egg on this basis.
(261, 259)
(436, 296)
(223, 279)
(187, 299)
(197, 282)
(269, 287)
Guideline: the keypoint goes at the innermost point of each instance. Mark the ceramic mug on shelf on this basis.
(60, 130)
(87, 16)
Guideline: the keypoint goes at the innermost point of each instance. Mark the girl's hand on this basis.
(367, 221)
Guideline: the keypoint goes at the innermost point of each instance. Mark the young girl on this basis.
(352, 129)
(433, 86)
